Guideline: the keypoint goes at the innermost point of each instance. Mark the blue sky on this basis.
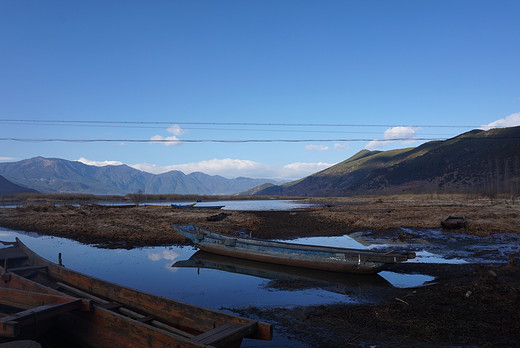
(275, 89)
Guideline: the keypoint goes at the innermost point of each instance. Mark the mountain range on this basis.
(486, 162)
(7, 187)
(54, 175)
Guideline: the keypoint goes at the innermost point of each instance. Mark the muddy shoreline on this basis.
(469, 304)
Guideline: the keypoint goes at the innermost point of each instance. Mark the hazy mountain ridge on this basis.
(7, 187)
(54, 175)
(474, 161)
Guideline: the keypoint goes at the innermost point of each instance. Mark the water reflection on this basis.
(149, 269)
(287, 278)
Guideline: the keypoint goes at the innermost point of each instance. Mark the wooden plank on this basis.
(29, 299)
(224, 334)
(26, 268)
(11, 324)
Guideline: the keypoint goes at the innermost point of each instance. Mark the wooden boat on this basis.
(454, 222)
(95, 313)
(299, 255)
(194, 206)
(112, 206)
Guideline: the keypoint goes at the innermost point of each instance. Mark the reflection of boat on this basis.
(194, 206)
(94, 312)
(332, 281)
(453, 222)
(307, 256)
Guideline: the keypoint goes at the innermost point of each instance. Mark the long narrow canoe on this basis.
(291, 254)
(92, 312)
(193, 206)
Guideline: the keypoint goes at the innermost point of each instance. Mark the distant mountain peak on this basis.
(54, 175)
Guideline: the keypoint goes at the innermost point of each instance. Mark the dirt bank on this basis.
(471, 304)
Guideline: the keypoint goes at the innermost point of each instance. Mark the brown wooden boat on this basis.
(454, 222)
(91, 312)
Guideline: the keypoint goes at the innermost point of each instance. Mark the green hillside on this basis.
(476, 161)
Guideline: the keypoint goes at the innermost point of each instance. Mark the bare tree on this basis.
(137, 197)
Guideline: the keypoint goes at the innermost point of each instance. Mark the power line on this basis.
(221, 129)
(169, 123)
(236, 140)
(201, 140)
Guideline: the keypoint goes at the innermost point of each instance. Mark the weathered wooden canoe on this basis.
(454, 222)
(95, 313)
(193, 206)
(113, 206)
(299, 255)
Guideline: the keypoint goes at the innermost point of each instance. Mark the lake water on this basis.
(251, 205)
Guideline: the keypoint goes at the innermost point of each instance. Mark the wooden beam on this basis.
(26, 268)
(10, 325)
(224, 334)
(29, 299)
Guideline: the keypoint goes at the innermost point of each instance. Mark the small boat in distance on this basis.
(291, 254)
(194, 206)
(454, 222)
(36, 294)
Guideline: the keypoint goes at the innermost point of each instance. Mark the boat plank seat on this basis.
(81, 293)
(26, 268)
(10, 325)
(220, 335)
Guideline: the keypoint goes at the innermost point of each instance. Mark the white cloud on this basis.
(169, 255)
(233, 168)
(509, 121)
(7, 159)
(228, 167)
(171, 140)
(299, 170)
(341, 146)
(99, 163)
(376, 144)
(396, 135)
(317, 147)
(176, 130)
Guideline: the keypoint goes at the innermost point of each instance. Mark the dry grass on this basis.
(336, 216)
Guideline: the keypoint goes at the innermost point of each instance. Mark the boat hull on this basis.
(297, 255)
(454, 222)
(192, 206)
